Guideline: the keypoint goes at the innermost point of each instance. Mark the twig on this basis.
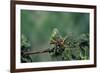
(36, 52)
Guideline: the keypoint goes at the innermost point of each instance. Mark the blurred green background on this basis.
(37, 26)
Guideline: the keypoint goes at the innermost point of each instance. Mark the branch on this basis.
(36, 52)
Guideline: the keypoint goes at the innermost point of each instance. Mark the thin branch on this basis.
(35, 52)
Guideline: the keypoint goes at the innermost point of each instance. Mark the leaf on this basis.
(25, 47)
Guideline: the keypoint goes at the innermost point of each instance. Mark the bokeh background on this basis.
(37, 26)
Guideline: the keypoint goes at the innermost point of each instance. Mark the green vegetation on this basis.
(25, 47)
(64, 36)
(68, 48)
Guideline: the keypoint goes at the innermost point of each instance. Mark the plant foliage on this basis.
(25, 47)
(69, 47)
